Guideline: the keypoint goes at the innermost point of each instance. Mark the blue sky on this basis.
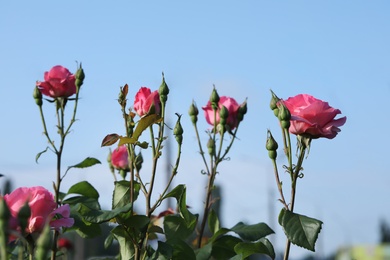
(337, 51)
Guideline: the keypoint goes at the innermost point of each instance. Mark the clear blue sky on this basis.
(337, 51)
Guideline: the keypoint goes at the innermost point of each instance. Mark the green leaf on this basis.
(89, 202)
(213, 222)
(84, 188)
(83, 228)
(300, 230)
(139, 222)
(219, 233)
(181, 250)
(144, 123)
(122, 193)
(155, 229)
(88, 162)
(125, 245)
(40, 153)
(263, 246)
(204, 252)
(164, 251)
(176, 227)
(100, 216)
(179, 192)
(252, 232)
(223, 247)
(126, 140)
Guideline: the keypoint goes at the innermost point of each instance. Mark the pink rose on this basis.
(119, 158)
(313, 117)
(145, 100)
(64, 243)
(59, 82)
(232, 107)
(43, 208)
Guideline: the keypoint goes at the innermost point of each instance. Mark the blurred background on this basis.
(337, 51)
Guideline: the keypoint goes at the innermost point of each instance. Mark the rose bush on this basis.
(119, 158)
(59, 82)
(232, 107)
(145, 100)
(313, 117)
(43, 209)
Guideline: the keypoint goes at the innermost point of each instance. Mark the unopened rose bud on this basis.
(80, 76)
(37, 95)
(223, 114)
(214, 99)
(211, 146)
(274, 101)
(178, 131)
(193, 113)
(285, 124)
(163, 91)
(242, 110)
(271, 145)
(284, 113)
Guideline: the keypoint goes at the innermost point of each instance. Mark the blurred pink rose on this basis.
(64, 243)
(59, 82)
(119, 158)
(232, 107)
(145, 99)
(313, 117)
(43, 208)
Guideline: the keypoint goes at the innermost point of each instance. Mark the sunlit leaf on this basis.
(125, 244)
(204, 252)
(144, 123)
(263, 246)
(213, 222)
(126, 140)
(39, 154)
(84, 188)
(122, 194)
(300, 230)
(110, 139)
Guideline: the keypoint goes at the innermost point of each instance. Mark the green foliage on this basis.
(143, 124)
(122, 193)
(125, 242)
(300, 230)
(263, 246)
(39, 154)
(181, 250)
(213, 222)
(87, 162)
(84, 188)
(252, 232)
(223, 247)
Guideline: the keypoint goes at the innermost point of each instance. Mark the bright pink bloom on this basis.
(119, 158)
(59, 82)
(313, 117)
(145, 99)
(232, 107)
(43, 208)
